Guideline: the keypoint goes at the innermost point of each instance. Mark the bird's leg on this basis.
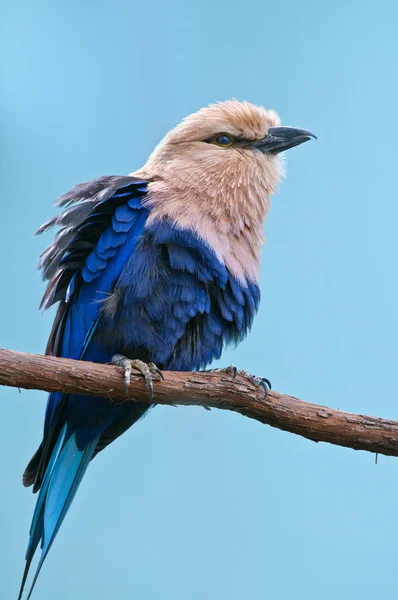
(146, 369)
(253, 379)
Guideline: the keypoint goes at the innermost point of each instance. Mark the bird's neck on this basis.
(228, 216)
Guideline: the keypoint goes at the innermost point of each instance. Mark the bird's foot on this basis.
(146, 369)
(253, 379)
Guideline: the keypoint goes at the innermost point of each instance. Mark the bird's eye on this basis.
(224, 140)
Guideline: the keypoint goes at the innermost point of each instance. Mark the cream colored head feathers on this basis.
(221, 192)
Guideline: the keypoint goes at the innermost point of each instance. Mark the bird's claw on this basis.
(253, 379)
(256, 381)
(146, 369)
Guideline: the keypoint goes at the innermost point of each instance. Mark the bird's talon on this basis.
(146, 370)
(266, 389)
(267, 381)
(155, 370)
(150, 387)
(256, 381)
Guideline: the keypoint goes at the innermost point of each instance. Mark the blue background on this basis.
(189, 503)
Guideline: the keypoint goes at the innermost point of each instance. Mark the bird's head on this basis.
(215, 173)
(228, 142)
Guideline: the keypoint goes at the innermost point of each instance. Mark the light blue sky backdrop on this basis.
(189, 503)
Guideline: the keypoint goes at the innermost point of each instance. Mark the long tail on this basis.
(63, 475)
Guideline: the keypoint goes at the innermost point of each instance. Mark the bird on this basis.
(156, 270)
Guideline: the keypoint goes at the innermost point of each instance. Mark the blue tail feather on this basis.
(44, 487)
(64, 473)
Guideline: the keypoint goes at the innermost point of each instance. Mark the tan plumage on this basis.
(221, 193)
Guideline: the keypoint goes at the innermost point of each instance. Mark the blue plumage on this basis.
(155, 293)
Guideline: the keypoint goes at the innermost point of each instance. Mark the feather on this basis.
(63, 475)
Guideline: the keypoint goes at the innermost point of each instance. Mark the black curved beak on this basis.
(279, 139)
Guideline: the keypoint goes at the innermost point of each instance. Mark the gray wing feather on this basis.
(80, 203)
(98, 189)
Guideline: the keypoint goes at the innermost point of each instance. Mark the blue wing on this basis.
(96, 239)
(84, 262)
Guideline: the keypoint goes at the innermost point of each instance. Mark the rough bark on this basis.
(215, 390)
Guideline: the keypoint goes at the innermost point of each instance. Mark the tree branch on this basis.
(216, 390)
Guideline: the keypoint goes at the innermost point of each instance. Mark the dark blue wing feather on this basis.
(95, 245)
(84, 262)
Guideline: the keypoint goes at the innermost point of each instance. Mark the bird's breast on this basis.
(177, 302)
